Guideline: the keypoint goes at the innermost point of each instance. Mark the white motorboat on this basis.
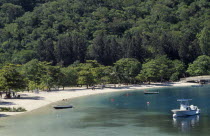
(185, 109)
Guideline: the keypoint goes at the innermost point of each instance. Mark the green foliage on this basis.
(86, 72)
(149, 71)
(64, 31)
(102, 74)
(68, 76)
(51, 76)
(85, 78)
(105, 49)
(160, 69)
(72, 45)
(40, 74)
(88, 65)
(175, 77)
(10, 78)
(204, 40)
(201, 66)
(33, 71)
(27, 5)
(9, 12)
(126, 69)
(177, 70)
(13, 109)
(22, 56)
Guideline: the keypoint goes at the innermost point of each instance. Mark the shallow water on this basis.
(123, 113)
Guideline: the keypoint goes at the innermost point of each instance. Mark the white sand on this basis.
(32, 101)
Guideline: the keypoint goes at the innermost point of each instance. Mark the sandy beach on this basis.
(31, 101)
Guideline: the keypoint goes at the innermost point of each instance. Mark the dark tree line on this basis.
(37, 75)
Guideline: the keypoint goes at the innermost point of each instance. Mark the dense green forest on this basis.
(69, 42)
(65, 31)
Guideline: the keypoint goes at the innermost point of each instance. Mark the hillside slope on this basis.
(64, 31)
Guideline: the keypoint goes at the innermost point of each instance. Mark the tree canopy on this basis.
(201, 66)
(65, 31)
(11, 79)
(161, 69)
(68, 42)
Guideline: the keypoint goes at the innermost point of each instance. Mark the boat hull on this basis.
(179, 113)
(63, 107)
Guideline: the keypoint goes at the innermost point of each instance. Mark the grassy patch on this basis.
(13, 109)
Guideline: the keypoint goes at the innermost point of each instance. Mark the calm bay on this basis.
(128, 113)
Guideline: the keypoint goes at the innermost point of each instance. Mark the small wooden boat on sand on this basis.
(63, 107)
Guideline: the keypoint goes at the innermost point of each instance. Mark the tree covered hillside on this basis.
(65, 31)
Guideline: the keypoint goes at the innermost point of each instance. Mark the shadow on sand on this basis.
(163, 84)
(73, 90)
(7, 103)
(31, 98)
(23, 96)
(3, 115)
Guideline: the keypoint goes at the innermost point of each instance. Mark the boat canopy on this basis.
(184, 100)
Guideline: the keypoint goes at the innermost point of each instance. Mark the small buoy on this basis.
(148, 102)
(112, 100)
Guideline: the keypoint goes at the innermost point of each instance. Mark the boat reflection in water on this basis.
(185, 124)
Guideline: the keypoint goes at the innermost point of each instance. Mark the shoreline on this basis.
(32, 101)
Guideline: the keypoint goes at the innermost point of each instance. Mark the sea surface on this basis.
(129, 113)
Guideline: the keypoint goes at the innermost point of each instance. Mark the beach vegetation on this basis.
(68, 76)
(86, 72)
(86, 78)
(102, 74)
(11, 79)
(33, 71)
(37, 75)
(12, 109)
(201, 66)
(127, 69)
(178, 70)
(50, 79)
(161, 69)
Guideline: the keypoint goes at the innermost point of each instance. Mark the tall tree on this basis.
(204, 40)
(34, 71)
(9, 12)
(70, 48)
(45, 51)
(158, 69)
(68, 76)
(85, 78)
(11, 79)
(127, 69)
(51, 77)
(201, 66)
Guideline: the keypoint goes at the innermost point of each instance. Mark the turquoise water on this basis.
(123, 113)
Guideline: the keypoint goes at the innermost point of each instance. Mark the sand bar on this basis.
(31, 101)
